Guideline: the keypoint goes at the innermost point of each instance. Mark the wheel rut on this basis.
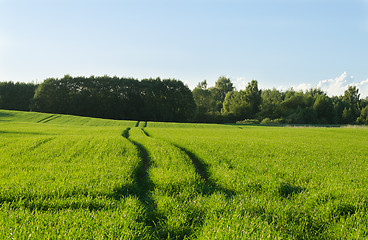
(48, 118)
(202, 170)
(39, 143)
(143, 186)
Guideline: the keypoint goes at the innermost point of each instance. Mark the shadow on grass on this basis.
(74, 200)
(203, 171)
(5, 114)
(287, 190)
(25, 133)
(125, 133)
(286, 125)
(56, 205)
(45, 119)
(142, 188)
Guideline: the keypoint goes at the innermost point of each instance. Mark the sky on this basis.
(280, 43)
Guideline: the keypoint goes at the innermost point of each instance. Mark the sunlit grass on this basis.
(83, 178)
(292, 182)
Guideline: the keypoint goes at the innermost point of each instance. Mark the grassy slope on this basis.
(34, 117)
(67, 180)
(293, 182)
(64, 176)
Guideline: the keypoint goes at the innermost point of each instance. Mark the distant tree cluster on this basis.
(224, 104)
(171, 100)
(16, 96)
(116, 98)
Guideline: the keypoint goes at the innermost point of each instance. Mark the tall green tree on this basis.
(294, 100)
(352, 98)
(235, 105)
(223, 85)
(348, 116)
(324, 108)
(253, 97)
(204, 101)
(16, 96)
(363, 118)
(271, 104)
(52, 97)
(243, 104)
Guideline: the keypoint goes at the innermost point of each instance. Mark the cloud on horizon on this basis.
(333, 86)
(337, 86)
(240, 83)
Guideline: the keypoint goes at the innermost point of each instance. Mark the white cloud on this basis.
(364, 82)
(303, 87)
(240, 83)
(363, 88)
(333, 86)
(337, 86)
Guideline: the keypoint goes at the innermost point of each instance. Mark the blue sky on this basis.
(280, 43)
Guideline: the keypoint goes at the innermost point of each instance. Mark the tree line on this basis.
(222, 103)
(17, 96)
(116, 98)
(170, 100)
(103, 97)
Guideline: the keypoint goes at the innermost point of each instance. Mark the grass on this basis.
(61, 180)
(298, 182)
(34, 117)
(72, 177)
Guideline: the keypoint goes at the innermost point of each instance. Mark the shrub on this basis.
(266, 121)
(248, 121)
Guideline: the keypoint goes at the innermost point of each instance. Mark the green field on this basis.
(74, 177)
